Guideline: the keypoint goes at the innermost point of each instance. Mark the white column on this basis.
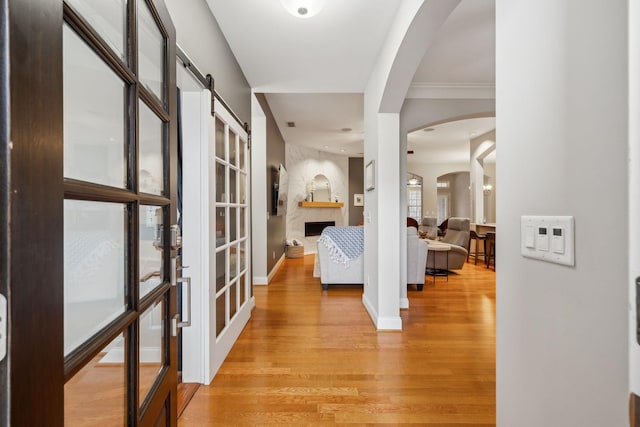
(259, 209)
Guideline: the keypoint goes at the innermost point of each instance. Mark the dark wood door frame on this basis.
(36, 198)
(4, 193)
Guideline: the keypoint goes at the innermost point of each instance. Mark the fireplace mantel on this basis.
(320, 204)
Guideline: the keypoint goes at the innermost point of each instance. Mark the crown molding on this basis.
(452, 91)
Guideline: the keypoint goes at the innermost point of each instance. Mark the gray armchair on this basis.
(457, 237)
(429, 226)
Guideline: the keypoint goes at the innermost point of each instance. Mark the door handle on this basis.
(186, 281)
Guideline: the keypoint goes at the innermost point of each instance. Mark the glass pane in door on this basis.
(243, 146)
(242, 289)
(97, 394)
(221, 315)
(108, 19)
(94, 127)
(221, 269)
(233, 261)
(243, 230)
(95, 271)
(151, 161)
(243, 188)
(233, 150)
(151, 348)
(150, 248)
(232, 186)
(233, 232)
(219, 136)
(151, 52)
(220, 183)
(221, 227)
(233, 299)
(243, 255)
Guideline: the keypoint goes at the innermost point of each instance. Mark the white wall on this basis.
(302, 165)
(199, 35)
(561, 98)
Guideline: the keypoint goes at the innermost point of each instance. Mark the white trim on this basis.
(393, 323)
(404, 303)
(452, 91)
(370, 309)
(275, 269)
(260, 281)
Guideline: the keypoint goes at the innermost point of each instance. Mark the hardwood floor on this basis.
(309, 357)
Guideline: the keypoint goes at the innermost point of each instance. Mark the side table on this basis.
(438, 247)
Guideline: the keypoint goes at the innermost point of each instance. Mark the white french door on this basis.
(216, 229)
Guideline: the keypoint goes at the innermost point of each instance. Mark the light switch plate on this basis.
(561, 251)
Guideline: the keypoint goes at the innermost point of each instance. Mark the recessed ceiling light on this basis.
(291, 124)
(346, 129)
(342, 150)
(429, 129)
(303, 8)
(326, 146)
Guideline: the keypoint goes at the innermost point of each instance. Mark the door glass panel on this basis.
(97, 394)
(232, 186)
(108, 19)
(95, 275)
(243, 256)
(220, 313)
(233, 232)
(220, 183)
(243, 146)
(221, 267)
(151, 165)
(151, 348)
(221, 227)
(150, 51)
(243, 189)
(243, 231)
(94, 128)
(232, 148)
(233, 303)
(220, 139)
(242, 290)
(150, 247)
(233, 262)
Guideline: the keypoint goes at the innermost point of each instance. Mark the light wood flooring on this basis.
(313, 357)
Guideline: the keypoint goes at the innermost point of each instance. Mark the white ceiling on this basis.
(331, 52)
(314, 70)
(448, 142)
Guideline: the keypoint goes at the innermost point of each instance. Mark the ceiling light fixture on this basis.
(303, 8)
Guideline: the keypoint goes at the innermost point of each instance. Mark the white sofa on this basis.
(352, 272)
(416, 258)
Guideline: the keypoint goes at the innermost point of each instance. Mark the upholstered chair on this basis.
(457, 237)
(429, 226)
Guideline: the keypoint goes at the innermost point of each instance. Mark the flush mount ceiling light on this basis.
(303, 8)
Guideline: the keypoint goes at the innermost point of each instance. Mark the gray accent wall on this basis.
(199, 35)
(356, 186)
(276, 225)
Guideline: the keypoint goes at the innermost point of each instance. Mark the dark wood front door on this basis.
(92, 192)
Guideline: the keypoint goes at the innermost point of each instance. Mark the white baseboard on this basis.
(404, 303)
(373, 314)
(260, 280)
(389, 323)
(382, 323)
(275, 268)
